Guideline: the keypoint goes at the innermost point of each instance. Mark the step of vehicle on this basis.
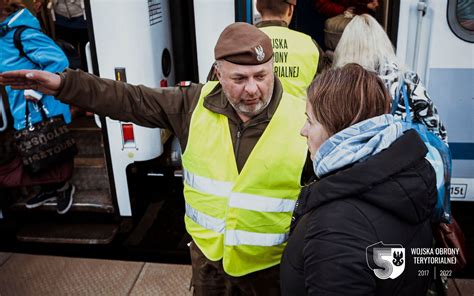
(89, 143)
(83, 201)
(89, 162)
(68, 233)
(88, 137)
(90, 174)
(83, 123)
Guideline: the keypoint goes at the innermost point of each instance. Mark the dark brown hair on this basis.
(272, 7)
(345, 96)
(10, 6)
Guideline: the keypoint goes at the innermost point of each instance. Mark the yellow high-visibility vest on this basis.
(296, 59)
(244, 218)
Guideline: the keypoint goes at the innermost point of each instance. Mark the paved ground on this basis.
(25, 275)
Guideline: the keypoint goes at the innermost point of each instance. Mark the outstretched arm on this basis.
(168, 107)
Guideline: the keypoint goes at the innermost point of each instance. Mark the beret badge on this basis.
(260, 53)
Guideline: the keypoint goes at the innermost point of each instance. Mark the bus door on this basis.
(131, 43)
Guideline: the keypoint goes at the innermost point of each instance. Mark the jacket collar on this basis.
(217, 102)
(278, 23)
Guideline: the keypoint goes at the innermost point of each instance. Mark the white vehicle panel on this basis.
(132, 35)
(210, 18)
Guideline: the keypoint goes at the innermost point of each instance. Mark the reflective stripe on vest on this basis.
(241, 237)
(296, 59)
(206, 221)
(235, 237)
(237, 199)
(242, 218)
(260, 203)
(207, 185)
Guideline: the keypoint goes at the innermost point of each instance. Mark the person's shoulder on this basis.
(190, 91)
(25, 31)
(301, 34)
(34, 35)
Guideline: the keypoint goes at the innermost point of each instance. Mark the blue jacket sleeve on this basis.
(43, 51)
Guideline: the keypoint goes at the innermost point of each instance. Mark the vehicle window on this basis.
(465, 14)
(461, 18)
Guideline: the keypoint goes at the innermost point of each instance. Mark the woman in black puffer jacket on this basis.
(375, 187)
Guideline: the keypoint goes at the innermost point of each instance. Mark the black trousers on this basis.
(209, 278)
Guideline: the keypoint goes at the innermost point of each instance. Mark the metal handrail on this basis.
(89, 67)
(4, 115)
(422, 6)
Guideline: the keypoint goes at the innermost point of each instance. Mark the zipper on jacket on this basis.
(237, 142)
(240, 130)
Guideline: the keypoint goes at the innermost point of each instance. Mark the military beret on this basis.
(243, 44)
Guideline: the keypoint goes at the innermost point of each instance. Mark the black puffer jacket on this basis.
(389, 197)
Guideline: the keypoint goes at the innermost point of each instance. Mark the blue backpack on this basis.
(439, 157)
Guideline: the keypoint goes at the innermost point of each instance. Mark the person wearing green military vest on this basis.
(296, 55)
(243, 157)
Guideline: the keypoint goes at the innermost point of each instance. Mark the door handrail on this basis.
(3, 114)
(422, 6)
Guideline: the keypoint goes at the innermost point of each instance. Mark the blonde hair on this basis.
(364, 42)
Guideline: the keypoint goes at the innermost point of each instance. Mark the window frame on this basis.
(455, 26)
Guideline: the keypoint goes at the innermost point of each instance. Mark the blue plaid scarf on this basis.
(356, 143)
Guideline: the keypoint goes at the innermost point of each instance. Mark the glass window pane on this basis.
(465, 14)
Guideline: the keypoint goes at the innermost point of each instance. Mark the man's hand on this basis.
(42, 81)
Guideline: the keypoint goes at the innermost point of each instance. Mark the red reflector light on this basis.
(127, 132)
(164, 83)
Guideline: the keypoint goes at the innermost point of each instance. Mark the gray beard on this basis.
(243, 109)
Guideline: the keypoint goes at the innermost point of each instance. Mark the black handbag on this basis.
(46, 143)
